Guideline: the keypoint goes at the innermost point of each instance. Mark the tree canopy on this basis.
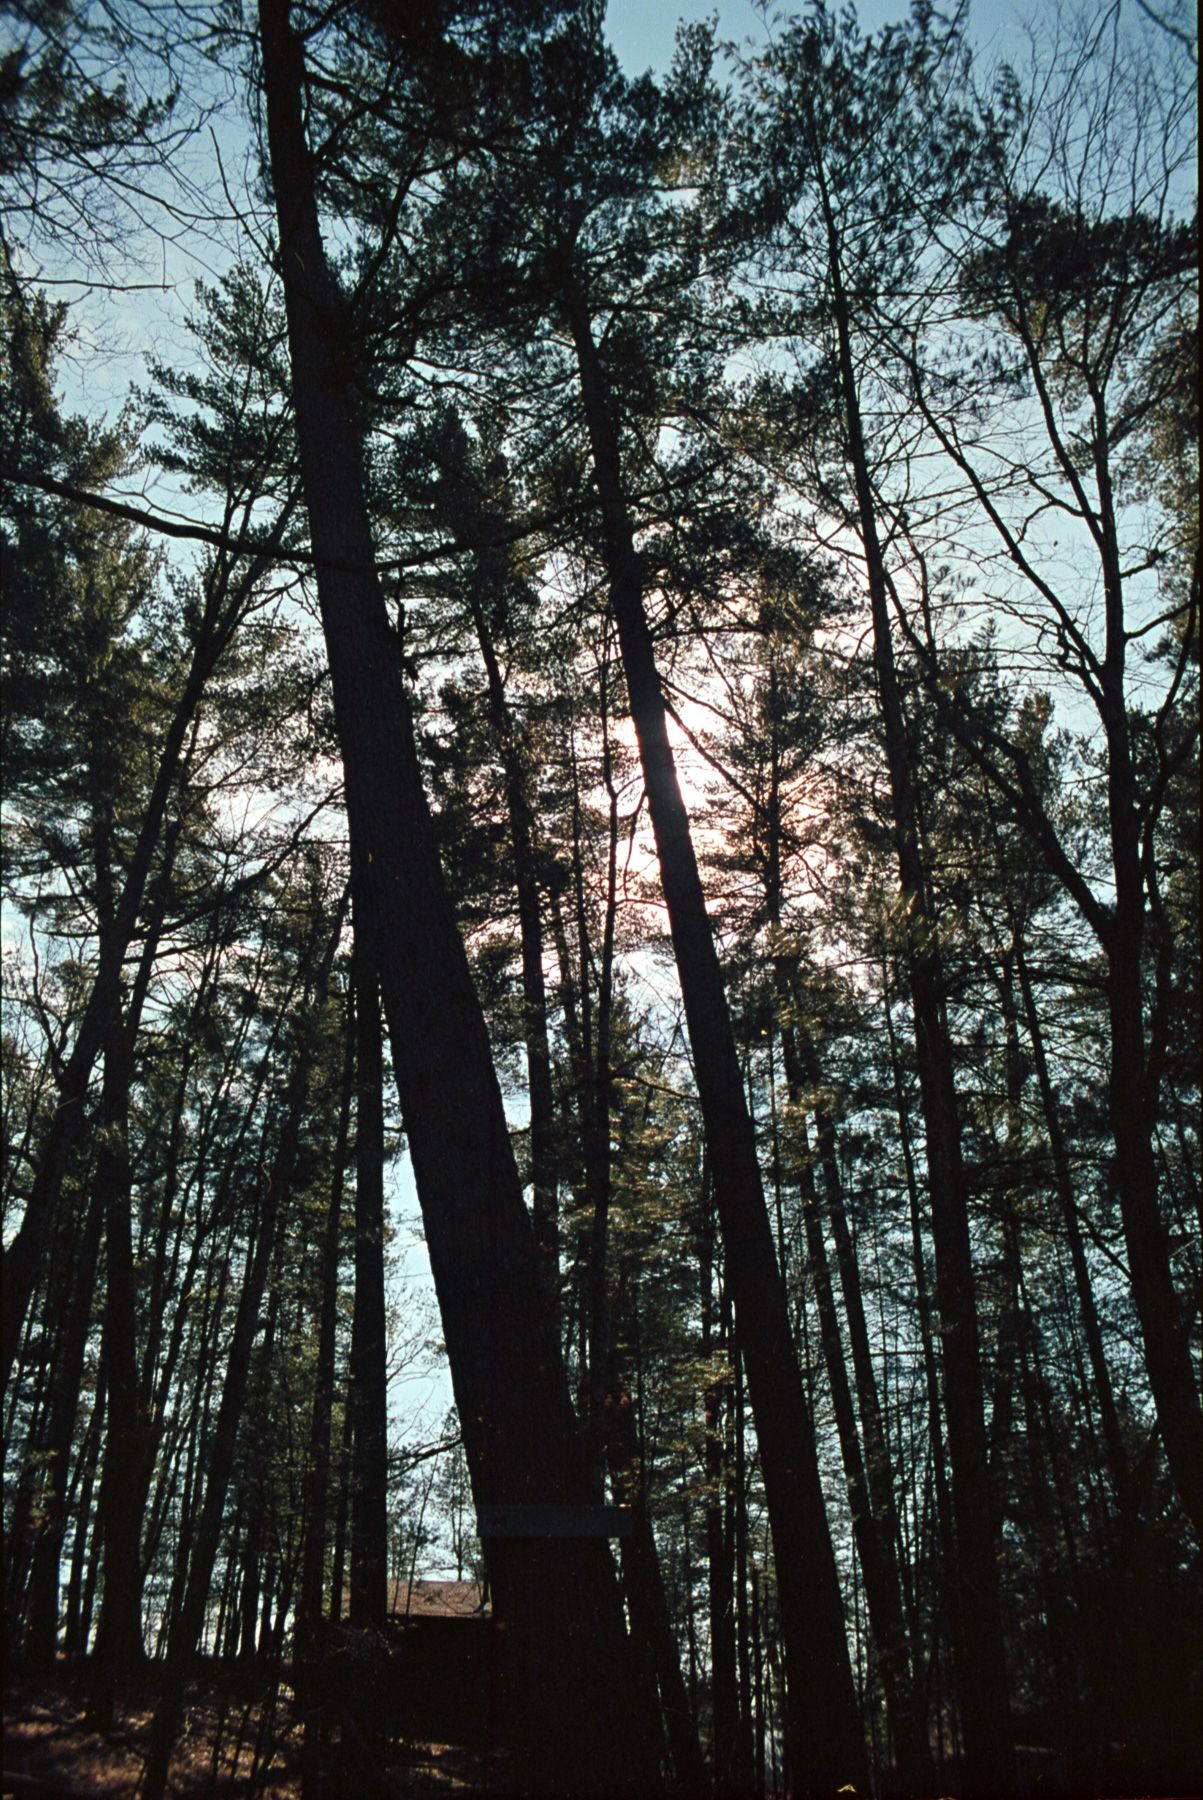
(600, 781)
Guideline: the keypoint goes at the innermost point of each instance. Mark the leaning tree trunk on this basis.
(571, 1694)
(825, 1746)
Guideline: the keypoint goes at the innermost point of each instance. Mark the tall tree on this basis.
(824, 1746)
(565, 1641)
(844, 107)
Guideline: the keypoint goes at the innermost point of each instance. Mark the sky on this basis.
(116, 338)
(642, 31)
(118, 331)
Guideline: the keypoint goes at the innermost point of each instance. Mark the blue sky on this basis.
(642, 31)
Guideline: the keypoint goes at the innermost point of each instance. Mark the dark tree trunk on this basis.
(568, 1656)
(119, 1646)
(42, 1601)
(826, 1750)
(545, 1201)
(317, 1485)
(720, 1561)
(369, 1348)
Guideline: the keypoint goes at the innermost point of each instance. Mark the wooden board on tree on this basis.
(514, 1521)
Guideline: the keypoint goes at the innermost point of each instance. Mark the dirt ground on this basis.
(230, 1744)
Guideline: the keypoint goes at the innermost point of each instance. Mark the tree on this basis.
(844, 108)
(1091, 268)
(510, 1393)
(582, 462)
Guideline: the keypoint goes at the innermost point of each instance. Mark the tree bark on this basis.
(568, 1657)
(41, 1628)
(119, 1646)
(544, 1198)
(369, 1348)
(317, 1484)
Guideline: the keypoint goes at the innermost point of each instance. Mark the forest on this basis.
(604, 659)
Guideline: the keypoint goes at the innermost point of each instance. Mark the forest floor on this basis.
(230, 1744)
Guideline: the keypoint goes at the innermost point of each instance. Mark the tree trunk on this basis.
(369, 1347)
(119, 1646)
(545, 1202)
(826, 1750)
(568, 1657)
(41, 1627)
(1117, 1458)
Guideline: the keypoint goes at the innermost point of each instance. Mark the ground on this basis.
(231, 1744)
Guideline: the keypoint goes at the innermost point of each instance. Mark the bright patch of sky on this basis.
(643, 34)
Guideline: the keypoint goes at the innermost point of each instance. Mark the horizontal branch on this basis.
(192, 531)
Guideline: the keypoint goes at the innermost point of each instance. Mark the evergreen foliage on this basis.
(677, 737)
